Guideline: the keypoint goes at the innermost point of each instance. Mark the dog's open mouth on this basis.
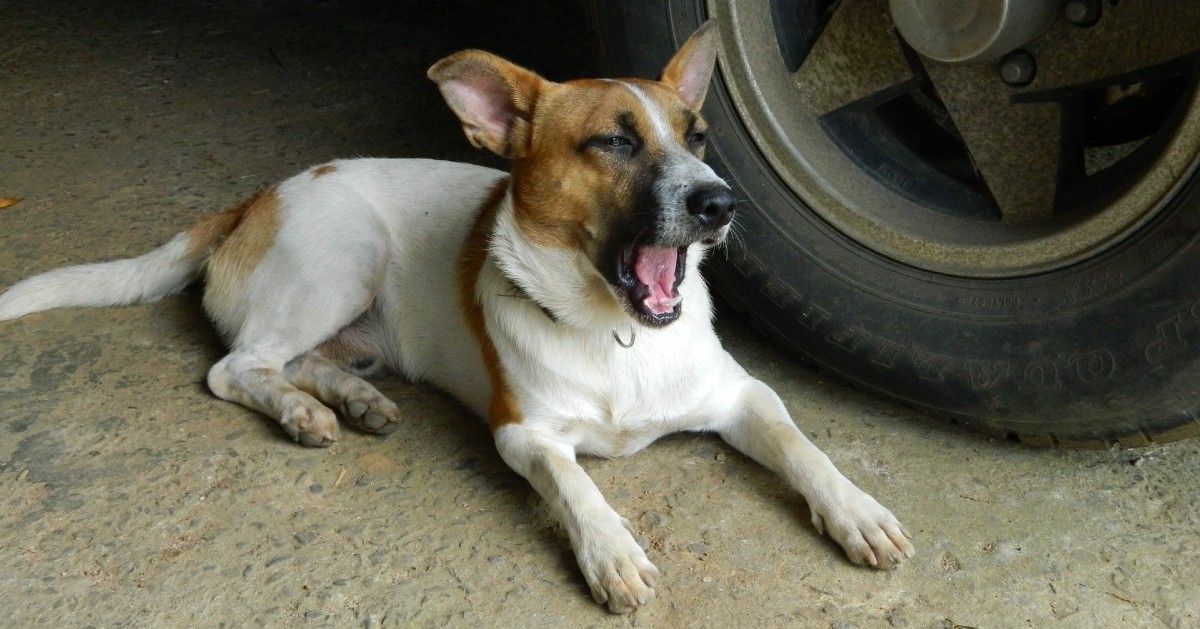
(650, 277)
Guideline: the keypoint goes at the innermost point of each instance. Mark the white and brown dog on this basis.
(561, 301)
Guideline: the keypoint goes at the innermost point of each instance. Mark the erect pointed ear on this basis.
(690, 70)
(491, 97)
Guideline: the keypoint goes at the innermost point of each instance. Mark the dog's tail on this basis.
(152, 276)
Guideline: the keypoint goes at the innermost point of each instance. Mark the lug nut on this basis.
(1018, 68)
(1082, 12)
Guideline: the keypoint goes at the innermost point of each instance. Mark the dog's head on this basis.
(608, 170)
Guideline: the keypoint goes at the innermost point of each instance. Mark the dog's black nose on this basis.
(712, 206)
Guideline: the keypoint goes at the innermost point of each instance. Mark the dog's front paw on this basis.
(618, 572)
(867, 531)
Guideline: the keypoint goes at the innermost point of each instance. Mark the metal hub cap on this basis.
(970, 30)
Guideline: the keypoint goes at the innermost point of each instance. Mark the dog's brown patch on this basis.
(503, 409)
(559, 186)
(250, 236)
(206, 236)
(321, 171)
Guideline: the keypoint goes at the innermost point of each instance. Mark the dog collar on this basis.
(516, 292)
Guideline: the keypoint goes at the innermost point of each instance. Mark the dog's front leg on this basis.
(762, 429)
(616, 568)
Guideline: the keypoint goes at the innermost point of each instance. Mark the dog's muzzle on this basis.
(650, 274)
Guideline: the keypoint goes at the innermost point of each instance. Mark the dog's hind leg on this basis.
(279, 323)
(301, 268)
(276, 368)
(360, 403)
(254, 378)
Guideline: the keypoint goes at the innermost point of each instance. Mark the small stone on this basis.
(305, 538)
(698, 548)
(316, 488)
(653, 519)
(313, 613)
(897, 621)
(277, 560)
(680, 499)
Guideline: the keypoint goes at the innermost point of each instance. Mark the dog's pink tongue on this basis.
(655, 267)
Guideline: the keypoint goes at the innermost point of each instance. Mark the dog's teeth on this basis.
(661, 307)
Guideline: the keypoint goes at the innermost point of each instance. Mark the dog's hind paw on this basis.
(868, 532)
(372, 413)
(313, 427)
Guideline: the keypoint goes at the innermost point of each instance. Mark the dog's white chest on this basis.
(616, 416)
(609, 400)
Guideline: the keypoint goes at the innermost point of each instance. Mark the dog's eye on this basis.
(697, 137)
(616, 141)
(608, 143)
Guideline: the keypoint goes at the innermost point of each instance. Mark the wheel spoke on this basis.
(1147, 33)
(1015, 147)
(857, 58)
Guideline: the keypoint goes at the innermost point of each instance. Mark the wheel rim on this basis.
(946, 167)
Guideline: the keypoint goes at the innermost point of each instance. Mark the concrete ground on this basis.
(130, 496)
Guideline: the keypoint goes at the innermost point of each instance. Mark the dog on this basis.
(561, 301)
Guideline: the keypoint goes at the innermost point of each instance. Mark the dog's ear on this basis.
(491, 97)
(690, 70)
